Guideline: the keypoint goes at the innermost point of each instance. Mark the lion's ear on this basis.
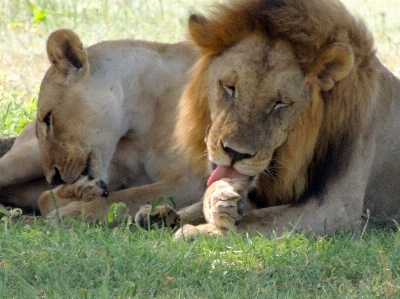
(209, 37)
(333, 64)
(66, 52)
(199, 31)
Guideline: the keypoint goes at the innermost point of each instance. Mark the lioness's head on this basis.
(265, 90)
(77, 120)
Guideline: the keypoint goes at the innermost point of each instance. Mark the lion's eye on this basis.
(230, 90)
(279, 104)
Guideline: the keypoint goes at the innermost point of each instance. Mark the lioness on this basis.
(104, 112)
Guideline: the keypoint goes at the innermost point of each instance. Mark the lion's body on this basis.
(294, 99)
(119, 104)
(382, 196)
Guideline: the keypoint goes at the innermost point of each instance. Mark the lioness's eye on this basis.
(230, 90)
(47, 120)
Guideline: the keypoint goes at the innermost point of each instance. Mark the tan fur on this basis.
(106, 113)
(292, 87)
(320, 160)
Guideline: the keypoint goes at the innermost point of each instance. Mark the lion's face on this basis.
(255, 100)
(77, 135)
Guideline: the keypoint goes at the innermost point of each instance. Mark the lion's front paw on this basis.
(87, 188)
(188, 231)
(161, 216)
(223, 203)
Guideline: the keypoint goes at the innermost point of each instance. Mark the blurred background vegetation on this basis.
(26, 24)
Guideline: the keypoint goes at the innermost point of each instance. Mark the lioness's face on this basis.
(77, 128)
(256, 96)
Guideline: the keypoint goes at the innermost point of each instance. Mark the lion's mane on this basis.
(328, 126)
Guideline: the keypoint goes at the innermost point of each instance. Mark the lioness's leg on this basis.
(185, 190)
(24, 195)
(85, 189)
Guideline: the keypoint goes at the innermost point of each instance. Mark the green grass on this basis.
(44, 260)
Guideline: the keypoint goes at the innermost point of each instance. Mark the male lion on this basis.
(300, 118)
(105, 116)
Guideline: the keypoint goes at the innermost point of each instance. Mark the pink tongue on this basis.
(224, 172)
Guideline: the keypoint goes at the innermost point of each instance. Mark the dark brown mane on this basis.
(308, 25)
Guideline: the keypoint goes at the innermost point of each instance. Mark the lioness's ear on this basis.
(333, 64)
(66, 52)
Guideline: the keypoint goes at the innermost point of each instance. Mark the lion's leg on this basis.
(308, 217)
(189, 231)
(222, 208)
(339, 207)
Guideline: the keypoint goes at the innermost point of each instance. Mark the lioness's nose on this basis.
(237, 154)
(56, 178)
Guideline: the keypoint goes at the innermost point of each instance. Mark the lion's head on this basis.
(280, 87)
(77, 116)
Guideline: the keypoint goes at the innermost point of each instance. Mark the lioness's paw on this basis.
(161, 216)
(75, 209)
(86, 188)
(223, 203)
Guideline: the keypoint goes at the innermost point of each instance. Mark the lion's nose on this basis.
(237, 154)
(56, 178)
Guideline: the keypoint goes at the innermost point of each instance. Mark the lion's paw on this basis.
(188, 231)
(223, 203)
(161, 216)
